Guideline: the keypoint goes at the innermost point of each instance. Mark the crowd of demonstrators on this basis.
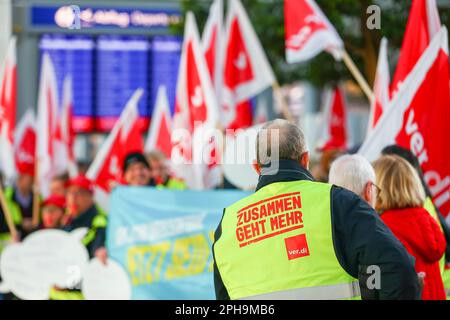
(379, 214)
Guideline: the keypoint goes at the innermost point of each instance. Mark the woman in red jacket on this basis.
(400, 201)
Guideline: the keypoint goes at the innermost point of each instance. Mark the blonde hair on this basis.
(399, 183)
(156, 155)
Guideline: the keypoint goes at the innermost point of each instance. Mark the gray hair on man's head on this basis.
(279, 139)
(351, 172)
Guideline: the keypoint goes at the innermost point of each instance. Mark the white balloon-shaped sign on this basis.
(44, 259)
(105, 282)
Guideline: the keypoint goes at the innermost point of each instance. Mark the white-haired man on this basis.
(355, 173)
(296, 238)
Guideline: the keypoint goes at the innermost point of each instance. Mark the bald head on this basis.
(280, 140)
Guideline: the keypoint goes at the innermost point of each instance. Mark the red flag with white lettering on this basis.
(423, 23)
(246, 69)
(65, 133)
(381, 87)
(8, 97)
(308, 32)
(335, 128)
(25, 143)
(195, 111)
(418, 120)
(124, 138)
(46, 125)
(159, 136)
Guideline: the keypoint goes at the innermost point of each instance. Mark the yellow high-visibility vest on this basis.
(278, 244)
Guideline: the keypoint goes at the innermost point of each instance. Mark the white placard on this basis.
(44, 259)
(105, 282)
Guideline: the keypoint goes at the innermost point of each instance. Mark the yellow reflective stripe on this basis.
(99, 221)
(330, 292)
(89, 237)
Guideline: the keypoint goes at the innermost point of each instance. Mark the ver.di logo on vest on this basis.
(296, 246)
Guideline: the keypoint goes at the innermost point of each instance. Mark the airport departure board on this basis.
(107, 69)
(74, 55)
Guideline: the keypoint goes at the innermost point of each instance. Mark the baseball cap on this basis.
(55, 200)
(82, 182)
(134, 157)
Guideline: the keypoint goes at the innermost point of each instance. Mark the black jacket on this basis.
(85, 220)
(360, 239)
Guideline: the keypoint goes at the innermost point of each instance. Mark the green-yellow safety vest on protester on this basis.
(100, 221)
(429, 206)
(173, 184)
(278, 244)
(16, 214)
(56, 294)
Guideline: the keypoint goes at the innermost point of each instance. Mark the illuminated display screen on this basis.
(74, 55)
(107, 70)
(166, 52)
(122, 67)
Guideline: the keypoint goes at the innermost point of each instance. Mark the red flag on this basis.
(308, 32)
(212, 47)
(159, 136)
(212, 43)
(423, 23)
(46, 125)
(8, 96)
(381, 87)
(418, 120)
(124, 138)
(25, 143)
(65, 133)
(247, 71)
(335, 129)
(195, 111)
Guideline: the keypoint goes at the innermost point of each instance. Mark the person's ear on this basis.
(304, 160)
(368, 194)
(257, 167)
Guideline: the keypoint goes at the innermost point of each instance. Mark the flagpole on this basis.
(357, 75)
(36, 198)
(7, 213)
(284, 106)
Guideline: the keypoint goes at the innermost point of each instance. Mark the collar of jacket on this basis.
(286, 171)
(85, 219)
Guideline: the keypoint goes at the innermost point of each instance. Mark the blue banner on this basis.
(163, 239)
